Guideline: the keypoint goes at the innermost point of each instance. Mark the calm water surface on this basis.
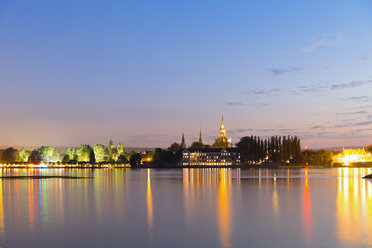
(187, 208)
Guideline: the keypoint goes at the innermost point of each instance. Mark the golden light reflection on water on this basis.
(150, 213)
(354, 206)
(203, 183)
(224, 212)
(307, 212)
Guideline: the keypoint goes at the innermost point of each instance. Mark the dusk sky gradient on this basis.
(144, 72)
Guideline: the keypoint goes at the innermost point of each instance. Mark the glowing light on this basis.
(349, 156)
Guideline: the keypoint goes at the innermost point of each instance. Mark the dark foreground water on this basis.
(187, 208)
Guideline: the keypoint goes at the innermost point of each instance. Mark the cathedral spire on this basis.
(200, 137)
(222, 129)
(183, 143)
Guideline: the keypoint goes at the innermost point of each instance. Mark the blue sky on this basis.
(143, 72)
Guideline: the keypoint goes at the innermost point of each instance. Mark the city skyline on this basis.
(143, 74)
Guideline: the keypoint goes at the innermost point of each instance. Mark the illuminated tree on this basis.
(9, 155)
(111, 150)
(72, 153)
(118, 152)
(100, 152)
(49, 154)
(23, 155)
(83, 152)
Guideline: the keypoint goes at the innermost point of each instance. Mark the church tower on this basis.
(183, 143)
(200, 137)
(222, 140)
(222, 131)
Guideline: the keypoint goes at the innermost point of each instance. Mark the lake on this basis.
(187, 208)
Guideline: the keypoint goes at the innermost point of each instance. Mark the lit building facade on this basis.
(348, 156)
(221, 155)
(210, 157)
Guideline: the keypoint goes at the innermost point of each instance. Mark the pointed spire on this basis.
(222, 124)
(200, 137)
(183, 143)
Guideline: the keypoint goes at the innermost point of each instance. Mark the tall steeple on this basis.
(183, 143)
(200, 137)
(222, 129)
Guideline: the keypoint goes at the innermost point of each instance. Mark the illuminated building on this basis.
(210, 157)
(222, 138)
(221, 155)
(348, 156)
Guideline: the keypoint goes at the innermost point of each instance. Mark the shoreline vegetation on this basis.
(254, 152)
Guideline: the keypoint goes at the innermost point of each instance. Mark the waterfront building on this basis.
(348, 156)
(222, 153)
(210, 157)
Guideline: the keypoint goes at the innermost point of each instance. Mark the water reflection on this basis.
(354, 206)
(307, 214)
(149, 204)
(204, 183)
(184, 208)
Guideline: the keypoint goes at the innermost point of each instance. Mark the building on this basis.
(221, 155)
(222, 140)
(348, 156)
(210, 157)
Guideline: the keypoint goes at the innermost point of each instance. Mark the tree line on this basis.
(81, 154)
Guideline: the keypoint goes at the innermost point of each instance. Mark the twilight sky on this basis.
(143, 72)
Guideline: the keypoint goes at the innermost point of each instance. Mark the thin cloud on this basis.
(352, 84)
(360, 98)
(280, 71)
(365, 58)
(234, 104)
(352, 113)
(240, 104)
(325, 41)
(258, 91)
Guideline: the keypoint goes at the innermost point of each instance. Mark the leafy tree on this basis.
(197, 145)
(101, 153)
(175, 147)
(321, 157)
(65, 158)
(72, 153)
(23, 155)
(369, 148)
(48, 154)
(83, 152)
(135, 160)
(9, 155)
(35, 157)
(111, 150)
(92, 157)
(118, 151)
(122, 159)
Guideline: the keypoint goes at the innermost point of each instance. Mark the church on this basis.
(220, 154)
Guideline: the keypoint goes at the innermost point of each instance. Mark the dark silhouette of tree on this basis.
(122, 159)
(35, 157)
(197, 145)
(92, 157)
(9, 155)
(175, 147)
(65, 158)
(135, 160)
